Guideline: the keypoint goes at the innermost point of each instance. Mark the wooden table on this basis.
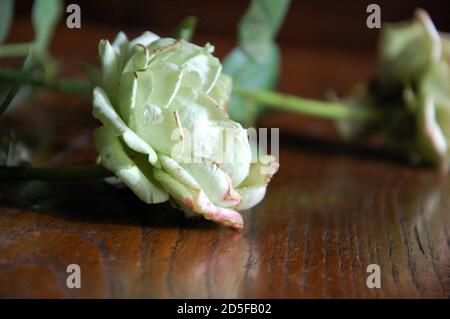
(329, 212)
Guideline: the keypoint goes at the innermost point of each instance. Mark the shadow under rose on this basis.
(92, 202)
(363, 152)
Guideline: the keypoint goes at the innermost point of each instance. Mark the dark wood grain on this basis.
(329, 212)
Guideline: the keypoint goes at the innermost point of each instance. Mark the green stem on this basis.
(15, 50)
(330, 110)
(60, 85)
(70, 173)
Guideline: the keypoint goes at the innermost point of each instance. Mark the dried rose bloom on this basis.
(157, 99)
(411, 91)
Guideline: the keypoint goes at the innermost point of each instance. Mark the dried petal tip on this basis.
(227, 217)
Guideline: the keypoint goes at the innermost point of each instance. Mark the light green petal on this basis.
(214, 182)
(253, 188)
(136, 177)
(195, 109)
(198, 202)
(251, 196)
(172, 51)
(166, 80)
(206, 176)
(176, 171)
(139, 59)
(236, 155)
(157, 126)
(127, 95)
(213, 109)
(221, 91)
(164, 44)
(119, 41)
(214, 148)
(223, 141)
(110, 68)
(144, 86)
(432, 142)
(104, 112)
(144, 39)
(176, 189)
(407, 49)
(202, 71)
(120, 45)
(437, 82)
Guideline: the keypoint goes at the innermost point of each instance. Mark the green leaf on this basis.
(45, 16)
(6, 15)
(255, 63)
(250, 74)
(185, 30)
(260, 25)
(17, 84)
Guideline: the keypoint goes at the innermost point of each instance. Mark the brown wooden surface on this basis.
(328, 213)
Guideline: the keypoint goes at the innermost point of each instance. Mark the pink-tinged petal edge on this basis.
(227, 217)
(223, 216)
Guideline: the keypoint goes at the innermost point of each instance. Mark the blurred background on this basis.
(326, 45)
(323, 23)
(322, 33)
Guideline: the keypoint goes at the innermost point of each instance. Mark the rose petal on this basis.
(110, 68)
(214, 182)
(108, 116)
(432, 142)
(253, 188)
(221, 91)
(132, 172)
(198, 202)
(144, 39)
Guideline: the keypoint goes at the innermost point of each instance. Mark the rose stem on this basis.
(317, 108)
(60, 85)
(79, 172)
(14, 50)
